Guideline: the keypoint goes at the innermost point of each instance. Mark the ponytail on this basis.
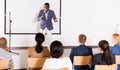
(38, 48)
(107, 55)
(39, 38)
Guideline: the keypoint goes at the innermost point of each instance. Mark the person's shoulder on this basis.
(67, 59)
(2, 50)
(75, 47)
(51, 10)
(114, 47)
(42, 10)
(88, 47)
(50, 59)
(31, 48)
(98, 55)
(45, 49)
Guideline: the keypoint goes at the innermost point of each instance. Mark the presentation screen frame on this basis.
(29, 33)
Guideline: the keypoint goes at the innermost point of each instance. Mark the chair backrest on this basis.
(105, 67)
(4, 64)
(82, 60)
(36, 62)
(117, 59)
(56, 69)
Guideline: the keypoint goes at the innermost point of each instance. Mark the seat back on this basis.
(4, 64)
(82, 60)
(56, 69)
(117, 59)
(36, 62)
(105, 67)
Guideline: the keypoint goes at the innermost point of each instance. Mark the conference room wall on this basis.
(98, 19)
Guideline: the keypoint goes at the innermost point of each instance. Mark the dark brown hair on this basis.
(82, 38)
(107, 55)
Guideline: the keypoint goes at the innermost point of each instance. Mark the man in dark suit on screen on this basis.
(45, 16)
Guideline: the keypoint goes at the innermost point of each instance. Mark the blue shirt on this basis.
(116, 51)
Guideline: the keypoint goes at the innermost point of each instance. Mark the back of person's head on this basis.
(82, 38)
(3, 42)
(56, 49)
(39, 38)
(115, 35)
(107, 55)
(116, 38)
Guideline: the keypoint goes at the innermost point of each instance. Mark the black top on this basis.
(97, 60)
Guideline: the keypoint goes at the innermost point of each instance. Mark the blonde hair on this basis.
(115, 35)
(116, 38)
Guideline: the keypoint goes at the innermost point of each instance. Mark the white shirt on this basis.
(46, 14)
(5, 54)
(55, 63)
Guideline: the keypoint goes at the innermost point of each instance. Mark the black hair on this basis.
(39, 38)
(56, 49)
(47, 4)
(107, 55)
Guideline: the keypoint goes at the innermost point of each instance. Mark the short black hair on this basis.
(47, 4)
(56, 49)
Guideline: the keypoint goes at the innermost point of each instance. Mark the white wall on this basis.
(95, 18)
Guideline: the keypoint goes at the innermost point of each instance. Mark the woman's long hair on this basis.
(107, 55)
(39, 38)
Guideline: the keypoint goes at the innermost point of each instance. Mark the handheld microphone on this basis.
(10, 17)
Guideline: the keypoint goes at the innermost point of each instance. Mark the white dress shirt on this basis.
(5, 54)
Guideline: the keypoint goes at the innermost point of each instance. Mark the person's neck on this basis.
(46, 11)
(82, 44)
(60, 57)
(101, 52)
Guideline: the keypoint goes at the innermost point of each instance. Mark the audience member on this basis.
(81, 50)
(57, 60)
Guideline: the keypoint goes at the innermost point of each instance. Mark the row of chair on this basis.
(86, 60)
(78, 60)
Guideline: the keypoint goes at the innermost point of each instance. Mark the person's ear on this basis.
(79, 42)
(113, 41)
(100, 49)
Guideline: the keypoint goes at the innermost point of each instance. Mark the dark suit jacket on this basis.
(46, 23)
(81, 50)
(97, 60)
